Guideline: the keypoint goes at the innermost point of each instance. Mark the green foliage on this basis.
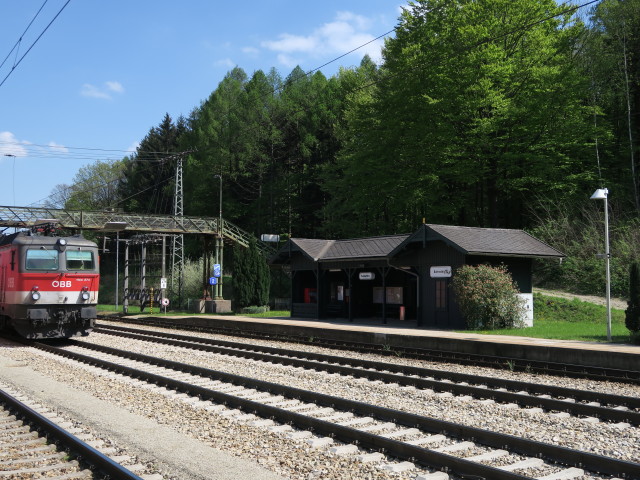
(251, 278)
(462, 129)
(569, 311)
(255, 310)
(632, 314)
(562, 319)
(488, 297)
(578, 232)
(147, 185)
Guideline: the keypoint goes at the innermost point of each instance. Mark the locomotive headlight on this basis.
(85, 293)
(35, 294)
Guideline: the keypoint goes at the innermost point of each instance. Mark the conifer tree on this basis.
(251, 279)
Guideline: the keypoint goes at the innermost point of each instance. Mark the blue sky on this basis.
(105, 72)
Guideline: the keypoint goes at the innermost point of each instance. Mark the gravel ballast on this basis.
(285, 458)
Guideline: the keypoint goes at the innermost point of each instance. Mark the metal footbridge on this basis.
(26, 217)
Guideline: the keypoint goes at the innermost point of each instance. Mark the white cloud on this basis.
(133, 147)
(104, 92)
(287, 60)
(10, 146)
(292, 43)
(225, 62)
(253, 51)
(115, 87)
(347, 32)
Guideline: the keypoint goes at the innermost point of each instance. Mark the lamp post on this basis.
(219, 243)
(602, 194)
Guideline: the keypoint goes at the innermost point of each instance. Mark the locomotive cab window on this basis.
(79, 260)
(41, 259)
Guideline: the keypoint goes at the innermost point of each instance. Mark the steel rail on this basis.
(562, 455)
(515, 364)
(405, 375)
(85, 452)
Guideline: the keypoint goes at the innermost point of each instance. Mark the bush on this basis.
(254, 309)
(632, 313)
(488, 297)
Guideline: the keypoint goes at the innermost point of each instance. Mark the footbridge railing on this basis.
(25, 217)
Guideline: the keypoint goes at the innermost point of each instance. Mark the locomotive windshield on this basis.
(79, 260)
(42, 259)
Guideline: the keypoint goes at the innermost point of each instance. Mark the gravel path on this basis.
(295, 460)
(618, 303)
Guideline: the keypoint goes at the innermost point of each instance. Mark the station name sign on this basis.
(366, 275)
(440, 272)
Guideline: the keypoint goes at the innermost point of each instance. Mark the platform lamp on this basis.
(602, 194)
(219, 243)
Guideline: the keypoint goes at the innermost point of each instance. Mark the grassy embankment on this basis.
(562, 319)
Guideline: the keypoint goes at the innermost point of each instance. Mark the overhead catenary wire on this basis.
(83, 185)
(15, 46)
(34, 42)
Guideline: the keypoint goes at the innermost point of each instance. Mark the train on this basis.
(48, 284)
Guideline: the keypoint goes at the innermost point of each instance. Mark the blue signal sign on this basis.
(213, 281)
(216, 269)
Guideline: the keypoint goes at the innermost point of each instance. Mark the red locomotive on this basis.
(48, 285)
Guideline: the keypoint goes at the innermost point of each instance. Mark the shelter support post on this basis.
(125, 300)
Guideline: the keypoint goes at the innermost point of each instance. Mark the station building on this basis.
(402, 277)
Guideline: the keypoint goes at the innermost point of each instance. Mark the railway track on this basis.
(442, 356)
(35, 443)
(587, 404)
(460, 450)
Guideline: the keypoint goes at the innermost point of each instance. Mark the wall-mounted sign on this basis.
(440, 272)
(366, 275)
(265, 237)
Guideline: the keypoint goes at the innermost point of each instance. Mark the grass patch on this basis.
(269, 314)
(562, 319)
(135, 310)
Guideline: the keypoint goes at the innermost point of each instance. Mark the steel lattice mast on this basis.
(177, 260)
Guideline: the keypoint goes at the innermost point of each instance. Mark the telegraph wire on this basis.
(34, 42)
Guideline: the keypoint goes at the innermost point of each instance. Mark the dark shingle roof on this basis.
(468, 240)
(323, 250)
(363, 247)
(486, 241)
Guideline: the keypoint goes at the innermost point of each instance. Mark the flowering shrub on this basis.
(488, 297)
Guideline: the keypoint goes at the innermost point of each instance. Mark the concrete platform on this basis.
(406, 334)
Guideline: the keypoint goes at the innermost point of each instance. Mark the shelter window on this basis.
(79, 260)
(441, 294)
(42, 259)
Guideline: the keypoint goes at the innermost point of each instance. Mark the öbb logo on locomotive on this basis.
(48, 285)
